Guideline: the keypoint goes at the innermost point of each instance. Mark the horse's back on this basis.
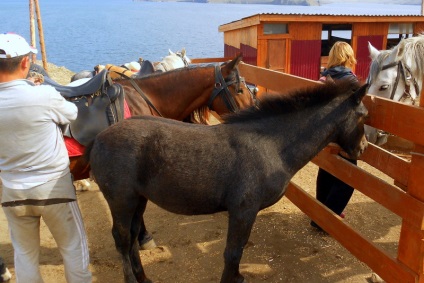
(139, 131)
(154, 157)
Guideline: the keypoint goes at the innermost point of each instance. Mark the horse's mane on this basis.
(280, 104)
(189, 68)
(411, 47)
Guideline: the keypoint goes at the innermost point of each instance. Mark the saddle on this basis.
(100, 104)
(146, 69)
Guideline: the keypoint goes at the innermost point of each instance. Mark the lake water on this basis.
(80, 34)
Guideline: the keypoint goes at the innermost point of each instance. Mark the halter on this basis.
(182, 58)
(403, 71)
(221, 86)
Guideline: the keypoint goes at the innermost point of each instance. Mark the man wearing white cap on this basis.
(34, 166)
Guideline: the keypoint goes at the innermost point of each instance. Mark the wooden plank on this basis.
(400, 119)
(243, 23)
(273, 80)
(377, 259)
(411, 247)
(210, 60)
(411, 243)
(389, 196)
(392, 165)
(305, 31)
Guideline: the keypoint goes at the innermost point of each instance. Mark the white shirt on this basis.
(32, 149)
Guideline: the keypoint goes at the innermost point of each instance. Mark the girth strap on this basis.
(143, 95)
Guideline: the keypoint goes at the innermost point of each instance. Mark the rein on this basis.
(402, 71)
(221, 86)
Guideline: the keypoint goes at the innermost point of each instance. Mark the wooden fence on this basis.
(405, 197)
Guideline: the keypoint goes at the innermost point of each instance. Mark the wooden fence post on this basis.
(411, 241)
(41, 35)
(32, 28)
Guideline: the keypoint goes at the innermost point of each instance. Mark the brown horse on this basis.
(177, 93)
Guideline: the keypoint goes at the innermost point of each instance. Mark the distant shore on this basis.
(59, 74)
(291, 2)
(263, 2)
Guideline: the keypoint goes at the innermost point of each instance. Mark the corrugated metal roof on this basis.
(338, 14)
(370, 15)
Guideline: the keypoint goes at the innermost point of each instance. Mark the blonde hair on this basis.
(341, 54)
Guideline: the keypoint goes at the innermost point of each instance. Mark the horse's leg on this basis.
(125, 230)
(4, 272)
(239, 227)
(145, 239)
(137, 223)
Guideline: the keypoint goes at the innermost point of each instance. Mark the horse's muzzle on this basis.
(363, 144)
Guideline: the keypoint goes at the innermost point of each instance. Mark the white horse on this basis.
(173, 61)
(397, 73)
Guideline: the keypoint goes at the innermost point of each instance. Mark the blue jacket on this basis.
(340, 72)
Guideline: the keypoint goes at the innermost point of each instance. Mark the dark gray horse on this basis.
(241, 166)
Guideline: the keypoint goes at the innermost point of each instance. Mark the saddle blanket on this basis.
(76, 149)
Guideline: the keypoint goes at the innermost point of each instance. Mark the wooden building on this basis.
(298, 44)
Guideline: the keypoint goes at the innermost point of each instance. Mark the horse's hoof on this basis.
(6, 276)
(149, 245)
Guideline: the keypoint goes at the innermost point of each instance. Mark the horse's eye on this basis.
(384, 87)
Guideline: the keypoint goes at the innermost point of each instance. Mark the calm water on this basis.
(80, 34)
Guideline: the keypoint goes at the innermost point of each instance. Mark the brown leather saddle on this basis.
(100, 104)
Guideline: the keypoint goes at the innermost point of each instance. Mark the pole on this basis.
(422, 8)
(41, 35)
(32, 28)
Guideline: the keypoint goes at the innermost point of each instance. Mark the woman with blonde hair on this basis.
(330, 191)
(341, 60)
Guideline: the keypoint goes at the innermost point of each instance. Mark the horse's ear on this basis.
(170, 52)
(373, 51)
(233, 63)
(360, 93)
(183, 52)
(397, 52)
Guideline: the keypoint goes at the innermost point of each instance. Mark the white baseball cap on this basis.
(13, 45)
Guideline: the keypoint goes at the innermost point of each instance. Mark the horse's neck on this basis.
(176, 95)
(301, 136)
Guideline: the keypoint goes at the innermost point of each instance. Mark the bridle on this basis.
(221, 88)
(404, 72)
(182, 58)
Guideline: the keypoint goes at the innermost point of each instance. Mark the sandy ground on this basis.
(282, 247)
